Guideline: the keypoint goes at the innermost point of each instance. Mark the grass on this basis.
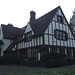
(23, 70)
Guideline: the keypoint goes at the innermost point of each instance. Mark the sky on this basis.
(17, 12)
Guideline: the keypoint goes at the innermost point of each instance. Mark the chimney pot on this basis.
(32, 16)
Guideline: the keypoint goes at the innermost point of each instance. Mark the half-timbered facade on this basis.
(8, 34)
(49, 33)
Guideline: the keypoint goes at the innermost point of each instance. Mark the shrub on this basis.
(53, 63)
(31, 58)
(69, 61)
(33, 63)
(49, 56)
(30, 63)
(74, 60)
(13, 59)
(53, 60)
(8, 59)
(39, 63)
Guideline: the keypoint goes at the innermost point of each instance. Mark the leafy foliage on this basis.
(53, 60)
(49, 56)
(71, 26)
(8, 59)
(33, 63)
(70, 61)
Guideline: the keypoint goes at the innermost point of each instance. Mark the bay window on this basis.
(60, 35)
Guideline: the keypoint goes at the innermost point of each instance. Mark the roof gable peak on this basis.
(40, 25)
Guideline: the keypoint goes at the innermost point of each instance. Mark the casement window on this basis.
(60, 19)
(28, 36)
(60, 35)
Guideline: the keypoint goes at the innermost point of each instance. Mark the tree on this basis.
(71, 25)
(72, 21)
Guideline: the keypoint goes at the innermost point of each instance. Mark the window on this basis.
(28, 36)
(60, 35)
(59, 19)
(57, 34)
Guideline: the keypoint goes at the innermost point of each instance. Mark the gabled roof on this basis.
(18, 39)
(10, 32)
(39, 25)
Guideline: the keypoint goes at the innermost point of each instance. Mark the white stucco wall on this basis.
(5, 45)
(60, 26)
(1, 35)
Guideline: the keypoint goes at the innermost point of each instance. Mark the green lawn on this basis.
(22, 70)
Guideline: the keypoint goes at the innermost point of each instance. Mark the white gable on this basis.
(1, 33)
(50, 35)
(28, 28)
(59, 13)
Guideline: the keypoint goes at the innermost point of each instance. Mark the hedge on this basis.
(9, 59)
(53, 60)
(49, 56)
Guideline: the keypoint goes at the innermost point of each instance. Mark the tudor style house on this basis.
(49, 33)
(8, 33)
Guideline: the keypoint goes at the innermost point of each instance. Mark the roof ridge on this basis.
(10, 26)
(49, 12)
(39, 25)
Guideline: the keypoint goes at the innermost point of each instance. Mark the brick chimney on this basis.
(32, 16)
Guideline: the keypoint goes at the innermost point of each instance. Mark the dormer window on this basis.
(28, 36)
(59, 19)
(61, 35)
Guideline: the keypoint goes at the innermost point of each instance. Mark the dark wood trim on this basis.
(26, 44)
(55, 28)
(31, 42)
(63, 41)
(31, 52)
(66, 33)
(45, 46)
(39, 40)
(59, 28)
(34, 41)
(59, 22)
(52, 32)
(48, 36)
(66, 41)
(68, 36)
(72, 42)
(43, 40)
